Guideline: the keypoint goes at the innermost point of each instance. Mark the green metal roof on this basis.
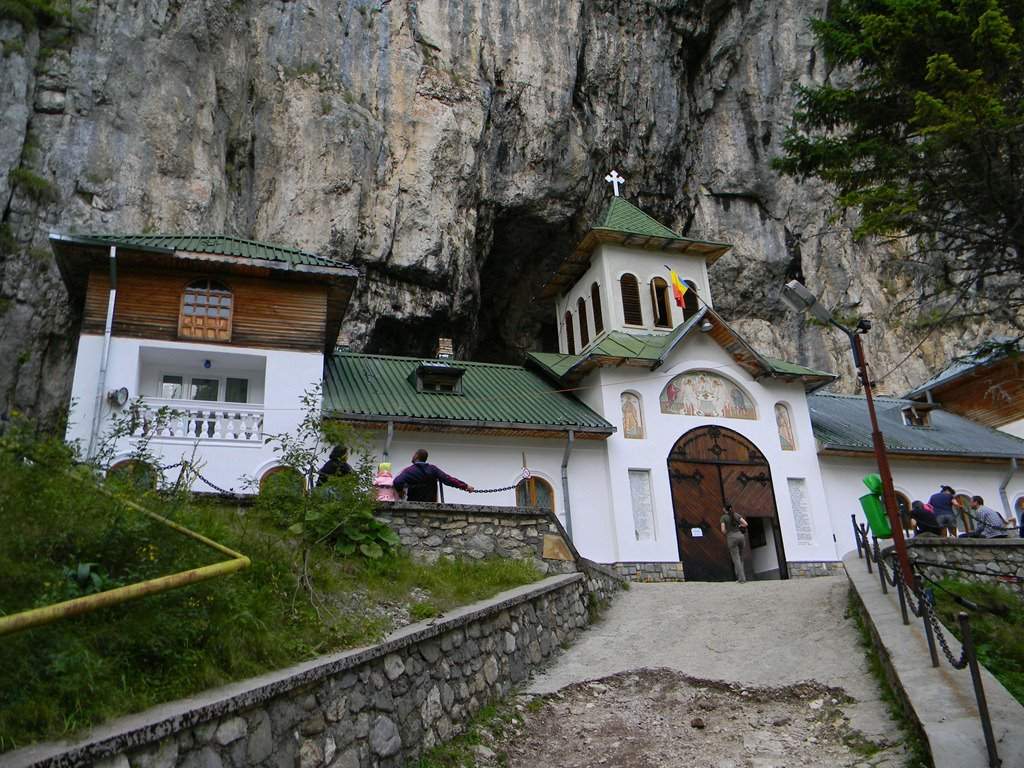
(381, 388)
(221, 245)
(621, 216)
(841, 422)
(782, 366)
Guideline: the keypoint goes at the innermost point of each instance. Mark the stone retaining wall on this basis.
(998, 561)
(379, 706)
(805, 569)
(430, 531)
(636, 571)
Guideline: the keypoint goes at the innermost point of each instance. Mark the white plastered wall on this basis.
(602, 390)
(495, 462)
(133, 363)
(918, 479)
(608, 264)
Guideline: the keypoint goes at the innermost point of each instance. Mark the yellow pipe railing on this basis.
(39, 616)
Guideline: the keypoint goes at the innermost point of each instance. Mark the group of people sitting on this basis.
(939, 517)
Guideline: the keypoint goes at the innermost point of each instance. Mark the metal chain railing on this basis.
(524, 475)
(921, 603)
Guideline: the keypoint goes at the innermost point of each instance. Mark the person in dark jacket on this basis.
(419, 481)
(925, 522)
(335, 466)
(942, 504)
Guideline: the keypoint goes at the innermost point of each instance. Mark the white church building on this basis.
(648, 419)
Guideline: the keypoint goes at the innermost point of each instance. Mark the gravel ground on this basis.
(654, 718)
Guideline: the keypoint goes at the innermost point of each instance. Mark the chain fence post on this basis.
(867, 549)
(881, 566)
(856, 536)
(926, 608)
(900, 591)
(979, 690)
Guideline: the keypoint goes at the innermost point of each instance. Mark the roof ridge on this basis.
(421, 359)
(208, 235)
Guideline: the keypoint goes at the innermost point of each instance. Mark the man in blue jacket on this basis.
(419, 481)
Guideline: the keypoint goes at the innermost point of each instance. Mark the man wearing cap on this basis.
(942, 504)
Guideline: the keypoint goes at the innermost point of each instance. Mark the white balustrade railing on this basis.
(199, 420)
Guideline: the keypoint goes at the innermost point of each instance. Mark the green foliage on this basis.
(64, 538)
(493, 723)
(12, 46)
(925, 138)
(998, 635)
(33, 185)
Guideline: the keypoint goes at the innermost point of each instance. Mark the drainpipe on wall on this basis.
(101, 382)
(1008, 512)
(565, 483)
(388, 439)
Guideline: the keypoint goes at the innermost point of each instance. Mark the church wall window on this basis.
(206, 309)
(632, 313)
(632, 416)
(643, 504)
(903, 505)
(660, 306)
(581, 307)
(964, 498)
(690, 303)
(535, 492)
(595, 304)
(570, 340)
(703, 393)
(784, 422)
(1018, 509)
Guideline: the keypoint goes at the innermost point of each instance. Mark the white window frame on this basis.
(186, 378)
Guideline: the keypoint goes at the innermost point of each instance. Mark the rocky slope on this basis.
(453, 150)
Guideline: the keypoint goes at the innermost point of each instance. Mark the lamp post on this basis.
(796, 296)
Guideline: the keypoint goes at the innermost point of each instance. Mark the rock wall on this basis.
(453, 149)
(996, 561)
(380, 706)
(430, 531)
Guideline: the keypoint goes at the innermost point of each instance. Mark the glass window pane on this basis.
(204, 389)
(171, 387)
(236, 390)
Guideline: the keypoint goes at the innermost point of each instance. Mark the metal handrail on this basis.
(932, 627)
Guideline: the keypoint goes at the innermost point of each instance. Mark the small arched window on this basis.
(690, 303)
(581, 308)
(632, 314)
(535, 492)
(281, 479)
(570, 340)
(206, 308)
(965, 524)
(903, 505)
(659, 303)
(595, 303)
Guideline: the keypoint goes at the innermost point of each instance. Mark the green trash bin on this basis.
(873, 483)
(874, 511)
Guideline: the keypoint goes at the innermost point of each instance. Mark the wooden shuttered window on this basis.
(632, 314)
(206, 309)
(595, 304)
(659, 303)
(581, 306)
(570, 341)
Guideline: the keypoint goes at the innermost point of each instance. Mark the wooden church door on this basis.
(708, 468)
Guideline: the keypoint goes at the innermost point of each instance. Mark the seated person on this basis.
(988, 524)
(924, 520)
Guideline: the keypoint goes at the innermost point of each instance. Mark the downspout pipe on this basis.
(387, 440)
(1007, 510)
(101, 380)
(570, 440)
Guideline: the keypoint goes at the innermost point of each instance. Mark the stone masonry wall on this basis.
(650, 571)
(430, 531)
(999, 561)
(379, 706)
(812, 568)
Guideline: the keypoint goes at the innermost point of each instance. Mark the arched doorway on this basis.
(708, 468)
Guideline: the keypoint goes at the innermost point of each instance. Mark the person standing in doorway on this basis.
(942, 504)
(734, 526)
(419, 481)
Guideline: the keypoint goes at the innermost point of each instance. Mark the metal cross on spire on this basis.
(614, 179)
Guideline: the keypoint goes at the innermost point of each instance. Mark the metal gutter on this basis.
(1002, 491)
(101, 381)
(468, 423)
(570, 440)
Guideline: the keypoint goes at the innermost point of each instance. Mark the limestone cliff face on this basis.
(453, 150)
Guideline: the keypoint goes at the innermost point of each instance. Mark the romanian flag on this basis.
(679, 288)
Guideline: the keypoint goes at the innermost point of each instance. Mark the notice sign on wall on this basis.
(643, 506)
(801, 511)
(697, 533)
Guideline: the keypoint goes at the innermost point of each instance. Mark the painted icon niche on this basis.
(632, 416)
(784, 421)
(703, 393)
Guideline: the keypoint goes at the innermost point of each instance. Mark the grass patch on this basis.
(64, 538)
(33, 185)
(998, 635)
(490, 725)
(917, 752)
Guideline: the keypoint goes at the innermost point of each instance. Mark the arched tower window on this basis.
(535, 492)
(581, 308)
(690, 303)
(632, 314)
(660, 307)
(206, 309)
(570, 340)
(595, 303)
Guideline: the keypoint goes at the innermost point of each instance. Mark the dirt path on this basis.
(718, 675)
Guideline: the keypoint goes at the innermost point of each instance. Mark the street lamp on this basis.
(797, 297)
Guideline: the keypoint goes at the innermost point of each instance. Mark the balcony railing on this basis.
(196, 420)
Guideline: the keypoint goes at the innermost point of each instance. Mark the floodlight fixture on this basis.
(798, 298)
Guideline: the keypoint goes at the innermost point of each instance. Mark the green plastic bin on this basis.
(873, 483)
(874, 511)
